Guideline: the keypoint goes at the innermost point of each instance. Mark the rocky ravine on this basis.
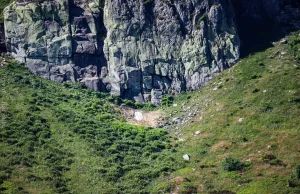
(135, 49)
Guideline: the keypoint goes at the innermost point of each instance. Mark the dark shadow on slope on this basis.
(2, 39)
(257, 30)
(258, 36)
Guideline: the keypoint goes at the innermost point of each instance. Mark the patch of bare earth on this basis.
(220, 146)
(176, 182)
(4, 108)
(140, 117)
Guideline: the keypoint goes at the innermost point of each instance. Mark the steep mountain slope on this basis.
(60, 138)
(249, 114)
(272, 18)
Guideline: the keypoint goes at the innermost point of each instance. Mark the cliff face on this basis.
(135, 49)
(58, 40)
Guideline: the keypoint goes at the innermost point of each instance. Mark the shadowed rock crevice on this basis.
(2, 39)
(261, 22)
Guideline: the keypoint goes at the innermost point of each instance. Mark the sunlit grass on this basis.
(248, 112)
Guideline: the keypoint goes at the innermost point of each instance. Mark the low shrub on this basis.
(272, 160)
(187, 188)
(232, 164)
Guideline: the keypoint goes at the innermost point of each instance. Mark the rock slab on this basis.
(134, 49)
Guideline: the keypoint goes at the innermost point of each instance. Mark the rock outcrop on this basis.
(58, 40)
(136, 49)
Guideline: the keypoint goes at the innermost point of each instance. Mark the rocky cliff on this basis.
(135, 49)
(140, 49)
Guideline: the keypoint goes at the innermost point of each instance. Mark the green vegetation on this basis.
(249, 112)
(232, 164)
(3, 4)
(167, 100)
(294, 43)
(61, 138)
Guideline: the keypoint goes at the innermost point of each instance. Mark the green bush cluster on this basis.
(53, 129)
(232, 164)
(167, 100)
(272, 160)
(294, 44)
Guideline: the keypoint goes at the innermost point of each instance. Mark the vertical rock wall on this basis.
(59, 40)
(167, 46)
(135, 49)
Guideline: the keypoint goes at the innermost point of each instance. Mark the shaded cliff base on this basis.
(260, 23)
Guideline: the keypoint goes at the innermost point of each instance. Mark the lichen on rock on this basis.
(135, 49)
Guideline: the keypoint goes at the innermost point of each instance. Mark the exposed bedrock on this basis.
(135, 49)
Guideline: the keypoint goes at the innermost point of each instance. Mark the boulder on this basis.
(186, 157)
(138, 116)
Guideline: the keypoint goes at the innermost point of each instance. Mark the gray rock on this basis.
(176, 119)
(284, 41)
(133, 49)
(58, 40)
(283, 53)
(156, 96)
(186, 157)
(197, 132)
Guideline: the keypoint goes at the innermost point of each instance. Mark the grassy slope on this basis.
(263, 90)
(59, 138)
